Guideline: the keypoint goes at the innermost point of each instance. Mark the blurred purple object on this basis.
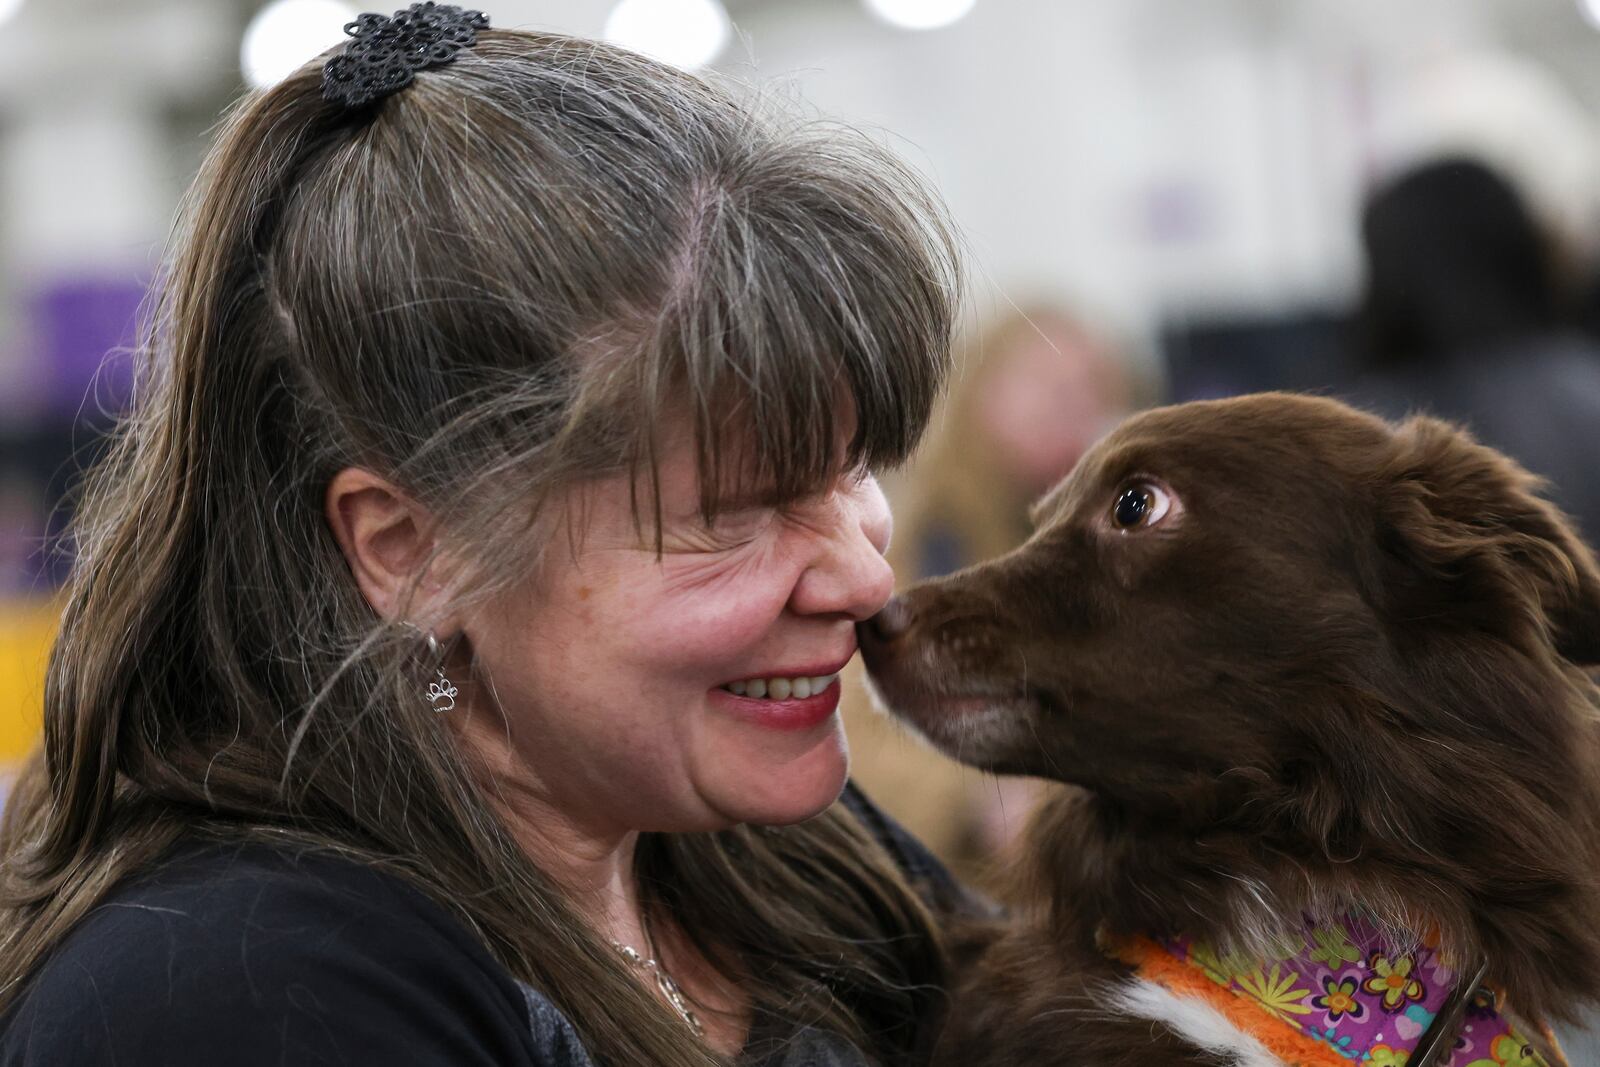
(83, 329)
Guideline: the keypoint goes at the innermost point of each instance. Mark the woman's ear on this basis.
(387, 539)
(1463, 516)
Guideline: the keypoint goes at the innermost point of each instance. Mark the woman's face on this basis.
(619, 671)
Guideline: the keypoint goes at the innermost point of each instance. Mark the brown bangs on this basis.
(808, 327)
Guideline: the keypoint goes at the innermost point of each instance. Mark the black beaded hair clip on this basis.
(387, 51)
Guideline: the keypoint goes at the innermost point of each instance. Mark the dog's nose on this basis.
(893, 620)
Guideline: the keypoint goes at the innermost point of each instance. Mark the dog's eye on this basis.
(1142, 504)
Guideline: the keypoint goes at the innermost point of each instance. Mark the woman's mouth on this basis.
(791, 702)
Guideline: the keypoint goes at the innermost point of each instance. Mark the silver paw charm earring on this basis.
(441, 694)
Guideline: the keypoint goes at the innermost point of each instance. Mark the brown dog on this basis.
(1294, 664)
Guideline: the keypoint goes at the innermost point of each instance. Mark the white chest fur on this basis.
(1196, 1021)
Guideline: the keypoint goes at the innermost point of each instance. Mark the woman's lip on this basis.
(791, 714)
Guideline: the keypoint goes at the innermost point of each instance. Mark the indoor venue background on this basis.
(1159, 200)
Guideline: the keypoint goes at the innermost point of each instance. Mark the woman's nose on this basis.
(851, 575)
(877, 522)
(853, 579)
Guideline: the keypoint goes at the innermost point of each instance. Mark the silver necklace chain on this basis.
(664, 982)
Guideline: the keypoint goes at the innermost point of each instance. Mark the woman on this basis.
(504, 455)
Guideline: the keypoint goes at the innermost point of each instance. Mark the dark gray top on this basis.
(251, 955)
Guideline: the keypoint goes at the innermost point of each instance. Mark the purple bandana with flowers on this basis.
(1343, 987)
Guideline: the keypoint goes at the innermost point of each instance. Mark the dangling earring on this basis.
(441, 694)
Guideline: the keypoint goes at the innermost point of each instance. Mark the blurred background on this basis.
(1160, 200)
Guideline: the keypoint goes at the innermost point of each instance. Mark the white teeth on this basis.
(782, 688)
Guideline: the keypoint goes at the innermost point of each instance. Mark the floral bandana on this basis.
(1342, 996)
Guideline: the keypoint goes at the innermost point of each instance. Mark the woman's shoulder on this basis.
(246, 952)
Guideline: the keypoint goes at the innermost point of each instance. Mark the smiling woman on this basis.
(541, 389)
(631, 646)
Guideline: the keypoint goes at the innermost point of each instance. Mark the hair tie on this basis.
(385, 52)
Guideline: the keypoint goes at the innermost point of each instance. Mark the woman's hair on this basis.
(488, 288)
(1455, 261)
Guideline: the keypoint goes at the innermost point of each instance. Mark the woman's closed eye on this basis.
(726, 531)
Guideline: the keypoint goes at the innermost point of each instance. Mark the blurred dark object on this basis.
(1455, 263)
(1306, 351)
(1464, 317)
(39, 466)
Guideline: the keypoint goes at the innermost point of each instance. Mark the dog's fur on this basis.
(1346, 668)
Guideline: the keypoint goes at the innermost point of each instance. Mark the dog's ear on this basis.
(1470, 526)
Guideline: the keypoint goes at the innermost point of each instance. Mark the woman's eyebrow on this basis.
(724, 504)
(756, 498)
(739, 496)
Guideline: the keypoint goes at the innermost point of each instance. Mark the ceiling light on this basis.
(686, 33)
(285, 34)
(920, 14)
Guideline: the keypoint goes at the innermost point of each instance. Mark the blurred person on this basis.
(508, 424)
(1035, 390)
(1510, 112)
(1465, 316)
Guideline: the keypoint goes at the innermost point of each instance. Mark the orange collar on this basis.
(1343, 996)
